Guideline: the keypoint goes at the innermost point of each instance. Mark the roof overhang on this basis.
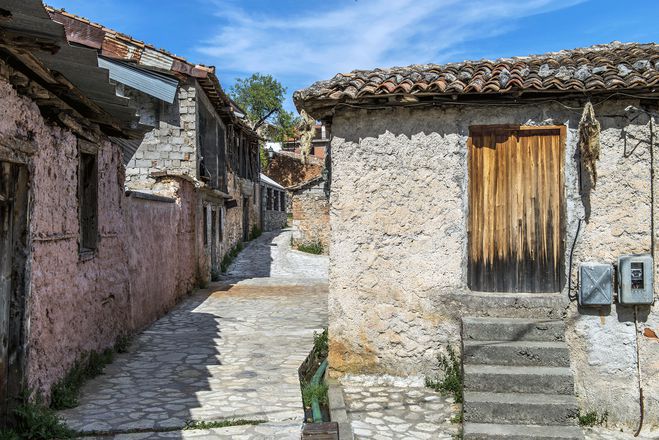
(153, 84)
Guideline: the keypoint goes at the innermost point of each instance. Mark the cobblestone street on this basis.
(230, 351)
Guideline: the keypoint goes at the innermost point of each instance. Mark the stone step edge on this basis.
(516, 370)
(519, 398)
(501, 430)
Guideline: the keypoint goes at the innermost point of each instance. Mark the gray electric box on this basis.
(635, 279)
(595, 284)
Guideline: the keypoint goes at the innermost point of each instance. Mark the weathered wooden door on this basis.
(13, 240)
(516, 209)
(245, 218)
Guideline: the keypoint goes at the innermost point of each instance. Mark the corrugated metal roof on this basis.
(152, 83)
(268, 181)
(30, 34)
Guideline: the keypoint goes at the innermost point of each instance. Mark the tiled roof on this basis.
(112, 44)
(611, 67)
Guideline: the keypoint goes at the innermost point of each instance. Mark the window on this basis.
(88, 199)
(268, 205)
(282, 202)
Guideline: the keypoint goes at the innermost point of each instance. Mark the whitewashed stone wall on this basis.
(398, 246)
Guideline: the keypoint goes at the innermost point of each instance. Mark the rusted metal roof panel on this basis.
(80, 32)
(156, 59)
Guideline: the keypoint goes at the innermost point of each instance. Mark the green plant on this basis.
(451, 383)
(122, 344)
(65, 392)
(213, 424)
(309, 391)
(457, 418)
(230, 256)
(320, 343)
(591, 418)
(254, 233)
(36, 421)
(311, 247)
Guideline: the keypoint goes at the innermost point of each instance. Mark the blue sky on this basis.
(303, 41)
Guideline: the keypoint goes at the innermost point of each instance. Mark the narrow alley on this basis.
(228, 352)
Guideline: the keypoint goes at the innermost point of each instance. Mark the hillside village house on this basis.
(92, 250)
(273, 205)
(466, 193)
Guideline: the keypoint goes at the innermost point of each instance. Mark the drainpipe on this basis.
(315, 405)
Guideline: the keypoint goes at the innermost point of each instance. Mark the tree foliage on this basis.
(261, 96)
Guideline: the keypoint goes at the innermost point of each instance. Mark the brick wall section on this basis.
(171, 145)
(311, 215)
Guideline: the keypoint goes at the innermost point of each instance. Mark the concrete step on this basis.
(490, 431)
(504, 379)
(522, 353)
(512, 329)
(519, 408)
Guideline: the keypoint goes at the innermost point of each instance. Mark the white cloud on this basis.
(316, 44)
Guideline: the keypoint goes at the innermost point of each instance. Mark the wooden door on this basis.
(13, 254)
(516, 206)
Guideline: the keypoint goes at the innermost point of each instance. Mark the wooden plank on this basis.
(515, 208)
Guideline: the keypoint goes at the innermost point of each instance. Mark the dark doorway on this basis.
(245, 218)
(516, 209)
(13, 254)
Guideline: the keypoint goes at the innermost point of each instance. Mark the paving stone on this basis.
(227, 352)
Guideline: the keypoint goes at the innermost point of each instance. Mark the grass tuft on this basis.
(255, 233)
(311, 247)
(123, 343)
(319, 391)
(65, 392)
(201, 424)
(451, 383)
(591, 418)
(320, 344)
(36, 421)
(230, 256)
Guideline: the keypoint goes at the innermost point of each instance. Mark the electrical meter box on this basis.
(635, 279)
(595, 284)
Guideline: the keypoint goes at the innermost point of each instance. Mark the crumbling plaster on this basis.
(398, 245)
(74, 304)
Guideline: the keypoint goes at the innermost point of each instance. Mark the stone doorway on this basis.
(13, 255)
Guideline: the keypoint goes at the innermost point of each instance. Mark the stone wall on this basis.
(310, 208)
(276, 217)
(171, 146)
(288, 169)
(399, 239)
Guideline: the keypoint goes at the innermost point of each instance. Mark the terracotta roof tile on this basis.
(614, 66)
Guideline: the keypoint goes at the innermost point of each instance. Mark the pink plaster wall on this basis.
(162, 257)
(73, 305)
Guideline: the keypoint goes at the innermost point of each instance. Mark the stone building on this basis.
(198, 135)
(311, 212)
(470, 191)
(273, 204)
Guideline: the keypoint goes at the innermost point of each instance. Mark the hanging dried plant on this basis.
(589, 141)
(306, 128)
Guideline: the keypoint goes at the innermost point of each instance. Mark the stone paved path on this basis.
(228, 352)
(406, 413)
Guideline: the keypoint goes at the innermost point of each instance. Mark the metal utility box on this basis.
(635, 279)
(595, 284)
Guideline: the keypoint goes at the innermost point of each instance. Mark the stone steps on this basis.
(503, 379)
(520, 408)
(517, 380)
(491, 431)
(512, 329)
(522, 353)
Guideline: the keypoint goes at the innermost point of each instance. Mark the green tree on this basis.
(286, 126)
(261, 96)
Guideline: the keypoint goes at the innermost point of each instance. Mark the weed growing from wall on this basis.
(591, 418)
(65, 392)
(320, 344)
(451, 383)
(230, 256)
(34, 420)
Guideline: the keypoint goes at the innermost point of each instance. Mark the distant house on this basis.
(273, 205)
(319, 143)
(465, 199)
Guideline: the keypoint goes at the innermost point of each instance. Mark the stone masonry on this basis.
(171, 146)
(310, 206)
(398, 245)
